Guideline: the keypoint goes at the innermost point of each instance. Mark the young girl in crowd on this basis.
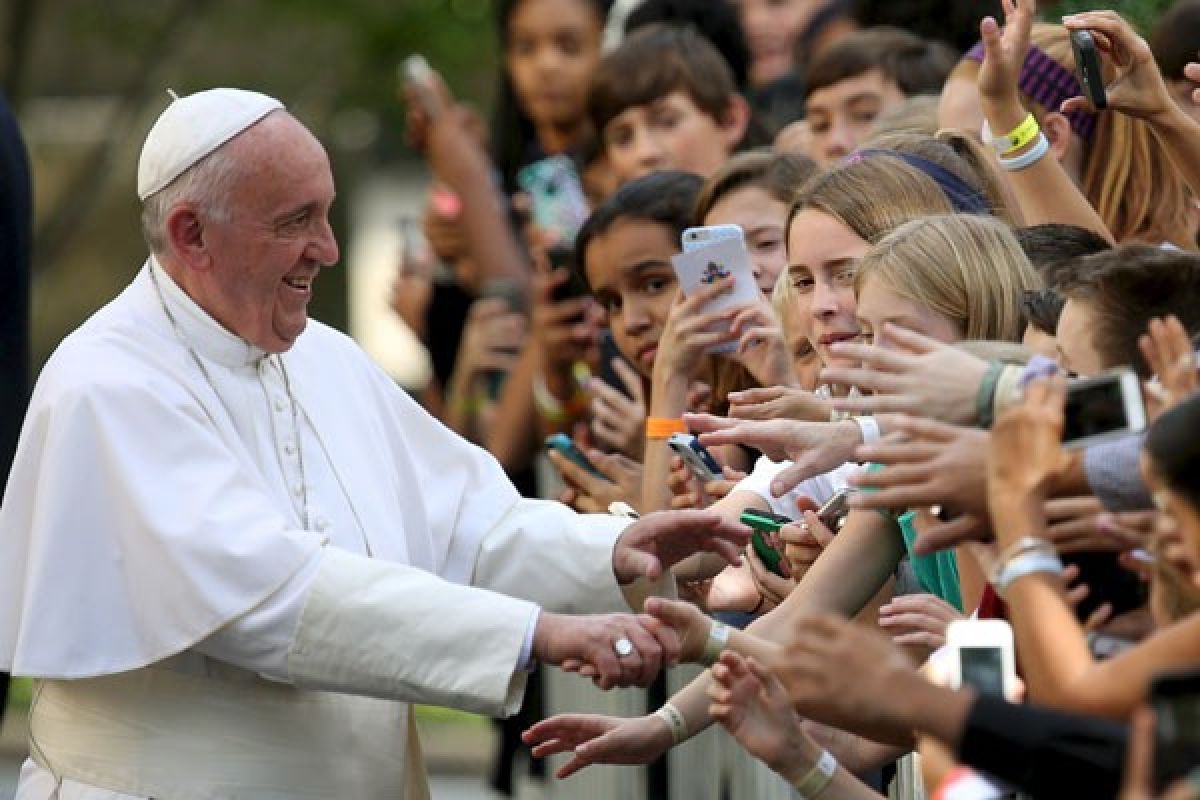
(551, 49)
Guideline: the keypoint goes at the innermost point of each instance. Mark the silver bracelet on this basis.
(718, 635)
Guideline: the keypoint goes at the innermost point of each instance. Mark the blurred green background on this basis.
(88, 78)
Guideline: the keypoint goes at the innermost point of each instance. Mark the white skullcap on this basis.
(191, 128)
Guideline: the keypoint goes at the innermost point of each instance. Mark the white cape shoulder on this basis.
(113, 556)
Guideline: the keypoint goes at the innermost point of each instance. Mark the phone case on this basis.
(711, 263)
(696, 456)
(695, 238)
(563, 444)
(765, 522)
(1087, 68)
(559, 204)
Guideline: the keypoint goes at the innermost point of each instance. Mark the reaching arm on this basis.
(1044, 190)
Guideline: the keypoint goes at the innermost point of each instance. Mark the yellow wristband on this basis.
(663, 427)
(1020, 136)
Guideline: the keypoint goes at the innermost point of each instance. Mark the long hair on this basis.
(968, 268)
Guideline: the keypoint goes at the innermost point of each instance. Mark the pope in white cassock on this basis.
(232, 551)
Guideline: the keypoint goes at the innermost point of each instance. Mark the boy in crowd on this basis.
(864, 75)
(666, 99)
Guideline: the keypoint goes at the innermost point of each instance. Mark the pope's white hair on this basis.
(206, 184)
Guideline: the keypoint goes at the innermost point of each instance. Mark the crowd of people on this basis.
(949, 232)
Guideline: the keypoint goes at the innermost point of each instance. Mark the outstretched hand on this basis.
(659, 541)
(813, 448)
(751, 703)
(1004, 51)
(913, 375)
(595, 739)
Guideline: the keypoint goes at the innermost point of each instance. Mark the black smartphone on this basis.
(609, 352)
(1087, 68)
(562, 256)
(1175, 698)
(762, 523)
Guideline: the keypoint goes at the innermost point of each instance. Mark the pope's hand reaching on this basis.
(611, 649)
(595, 739)
(659, 541)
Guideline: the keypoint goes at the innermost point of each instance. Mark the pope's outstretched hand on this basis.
(658, 541)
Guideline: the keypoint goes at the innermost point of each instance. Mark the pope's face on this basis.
(266, 255)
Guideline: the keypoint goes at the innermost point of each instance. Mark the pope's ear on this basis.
(185, 236)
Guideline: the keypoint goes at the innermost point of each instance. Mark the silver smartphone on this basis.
(833, 514)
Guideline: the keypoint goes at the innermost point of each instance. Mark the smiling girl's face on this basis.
(823, 255)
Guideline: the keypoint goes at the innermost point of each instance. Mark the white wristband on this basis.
(675, 722)
(819, 777)
(869, 427)
(718, 635)
(1026, 564)
(1029, 157)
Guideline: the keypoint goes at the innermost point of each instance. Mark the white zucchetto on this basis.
(191, 128)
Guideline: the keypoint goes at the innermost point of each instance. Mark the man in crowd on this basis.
(232, 550)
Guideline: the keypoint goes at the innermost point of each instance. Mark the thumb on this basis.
(789, 478)
(640, 563)
(675, 613)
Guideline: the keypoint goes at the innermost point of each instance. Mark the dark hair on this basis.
(665, 197)
(915, 65)
(511, 128)
(954, 23)
(715, 20)
(1041, 308)
(1055, 250)
(1173, 444)
(1126, 287)
(654, 62)
(1174, 38)
(779, 174)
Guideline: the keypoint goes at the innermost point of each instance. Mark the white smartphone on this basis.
(695, 238)
(705, 261)
(1105, 407)
(696, 456)
(981, 655)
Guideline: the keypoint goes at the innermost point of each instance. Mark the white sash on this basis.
(222, 732)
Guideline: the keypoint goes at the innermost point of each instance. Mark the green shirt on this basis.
(937, 573)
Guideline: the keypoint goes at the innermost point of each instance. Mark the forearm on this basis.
(1042, 752)
(1052, 645)
(1180, 136)
(668, 399)
(490, 238)
(1044, 191)
(844, 578)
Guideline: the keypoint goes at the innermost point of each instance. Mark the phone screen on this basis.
(1093, 409)
(983, 668)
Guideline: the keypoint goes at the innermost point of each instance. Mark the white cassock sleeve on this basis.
(352, 624)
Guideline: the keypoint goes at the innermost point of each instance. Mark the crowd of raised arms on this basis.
(946, 369)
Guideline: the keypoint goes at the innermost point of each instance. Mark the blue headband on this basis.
(964, 198)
